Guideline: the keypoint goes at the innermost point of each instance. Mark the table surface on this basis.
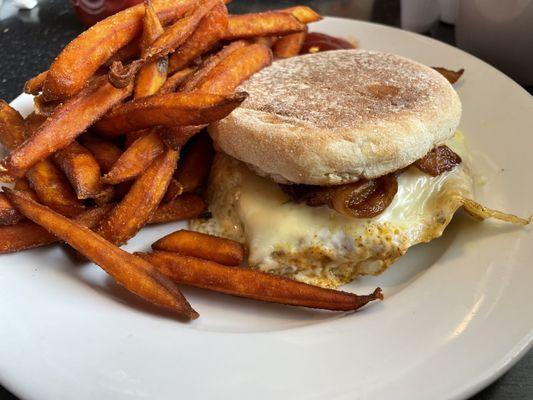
(30, 39)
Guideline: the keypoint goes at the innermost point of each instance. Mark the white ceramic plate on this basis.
(457, 313)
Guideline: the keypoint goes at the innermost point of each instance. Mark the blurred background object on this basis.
(419, 15)
(25, 4)
(448, 11)
(90, 12)
(499, 32)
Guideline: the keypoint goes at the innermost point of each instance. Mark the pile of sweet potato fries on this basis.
(101, 155)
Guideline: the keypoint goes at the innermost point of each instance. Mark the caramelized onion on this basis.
(348, 197)
(369, 198)
(437, 161)
(451, 76)
(313, 196)
(376, 203)
(363, 199)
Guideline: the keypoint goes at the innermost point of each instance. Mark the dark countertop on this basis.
(30, 40)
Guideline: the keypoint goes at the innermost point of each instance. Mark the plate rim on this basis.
(520, 348)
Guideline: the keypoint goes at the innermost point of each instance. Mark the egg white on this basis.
(316, 244)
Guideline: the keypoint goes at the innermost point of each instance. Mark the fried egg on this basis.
(316, 245)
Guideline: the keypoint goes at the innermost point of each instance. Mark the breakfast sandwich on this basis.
(337, 163)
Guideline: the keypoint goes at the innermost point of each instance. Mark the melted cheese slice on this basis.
(318, 245)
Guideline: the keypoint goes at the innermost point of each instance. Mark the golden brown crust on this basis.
(81, 169)
(253, 284)
(168, 110)
(84, 55)
(68, 121)
(136, 158)
(207, 34)
(183, 207)
(201, 245)
(12, 129)
(142, 199)
(132, 272)
(53, 189)
(267, 23)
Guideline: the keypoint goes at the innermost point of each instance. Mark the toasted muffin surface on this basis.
(339, 116)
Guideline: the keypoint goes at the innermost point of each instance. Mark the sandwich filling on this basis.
(369, 198)
(318, 245)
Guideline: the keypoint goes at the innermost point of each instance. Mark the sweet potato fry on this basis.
(152, 27)
(143, 146)
(42, 107)
(35, 85)
(22, 184)
(201, 245)
(152, 75)
(196, 164)
(23, 236)
(105, 152)
(12, 129)
(80, 59)
(235, 69)
(177, 136)
(133, 136)
(221, 74)
(106, 196)
(209, 31)
(303, 14)
(253, 284)
(53, 189)
(127, 53)
(9, 215)
(140, 203)
(122, 189)
(92, 216)
(168, 110)
(176, 34)
(137, 275)
(210, 63)
(173, 37)
(451, 76)
(174, 81)
(48, 182)
(81, 169)
(183, 207)
(267, 41)
(174, 190)
(6, 178)
(290, 45)
(28, 235)
(268, 23)
(32, 122)
(68, 121)
(136, 158)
